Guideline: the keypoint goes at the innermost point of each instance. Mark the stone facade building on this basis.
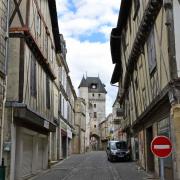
(116, 122)
(93, 91)
(80, 126)
(66, 110)
(145, 51)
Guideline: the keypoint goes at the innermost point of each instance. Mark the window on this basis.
(46, 45)
(151, 52)
(119, 112)
(38, 25)
(52, 54)
(94, 105)
(95, 115)
(144, 98)
(136, 8)
(59, 104)
(136, 82)
(99, 95)
(93, 95)
(47, 93)
(33, 88)
(94, 126)
(94, 86)
(136, 79)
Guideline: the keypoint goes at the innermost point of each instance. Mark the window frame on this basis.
(33, 79)
(151, 52)
(95, 114)
(48, 99)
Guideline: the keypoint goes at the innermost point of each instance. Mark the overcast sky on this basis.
(86, 26)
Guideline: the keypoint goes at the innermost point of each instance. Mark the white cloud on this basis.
(89, 16)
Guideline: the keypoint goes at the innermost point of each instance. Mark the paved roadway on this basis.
(93, 166)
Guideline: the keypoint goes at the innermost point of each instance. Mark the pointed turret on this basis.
(83, 83)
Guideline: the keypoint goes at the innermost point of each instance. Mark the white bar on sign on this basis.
(162, 147)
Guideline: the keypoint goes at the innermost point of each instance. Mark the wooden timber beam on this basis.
(149, 17)
(24, 32)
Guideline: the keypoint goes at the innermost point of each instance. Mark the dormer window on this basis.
(94, 86)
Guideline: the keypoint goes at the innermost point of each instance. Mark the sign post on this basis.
(161, 147)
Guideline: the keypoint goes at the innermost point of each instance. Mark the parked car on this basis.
(117, 150)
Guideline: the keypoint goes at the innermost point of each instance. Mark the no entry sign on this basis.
(161, 146)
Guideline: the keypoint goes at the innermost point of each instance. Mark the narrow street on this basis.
(93, 166)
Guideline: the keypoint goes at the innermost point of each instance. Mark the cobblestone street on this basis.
(93, 166)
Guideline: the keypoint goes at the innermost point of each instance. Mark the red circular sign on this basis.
(161, 146)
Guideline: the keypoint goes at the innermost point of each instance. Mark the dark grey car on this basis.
(117, 150)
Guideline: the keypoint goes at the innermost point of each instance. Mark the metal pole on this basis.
(162, 168)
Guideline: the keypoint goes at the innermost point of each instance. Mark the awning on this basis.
(115, 44)
(116, 74)
(26, 117)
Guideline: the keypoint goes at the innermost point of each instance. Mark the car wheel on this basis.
(110, 159)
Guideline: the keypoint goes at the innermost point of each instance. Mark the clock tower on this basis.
(93, 91)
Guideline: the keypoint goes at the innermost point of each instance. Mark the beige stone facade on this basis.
(93, 91)
(80, 126)
(146, 68)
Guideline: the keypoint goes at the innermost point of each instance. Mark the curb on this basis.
(41, 173)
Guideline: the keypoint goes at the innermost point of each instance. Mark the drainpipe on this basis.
(168, 6)
(5, 80)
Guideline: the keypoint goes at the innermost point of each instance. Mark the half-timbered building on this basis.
(4, 11)
(146, 58)
(31, 95)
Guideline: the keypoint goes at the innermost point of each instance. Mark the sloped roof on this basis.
(93, 80)
(83, 83)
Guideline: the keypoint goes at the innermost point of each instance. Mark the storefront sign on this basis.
(69, 134)
(46, 124)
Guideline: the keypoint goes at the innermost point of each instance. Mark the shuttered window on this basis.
(151, 52)
(47, 93)
(33, 88)
(59, 104)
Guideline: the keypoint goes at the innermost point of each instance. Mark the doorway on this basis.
(150, 156)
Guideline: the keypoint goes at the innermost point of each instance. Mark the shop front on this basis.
(63, 140)
(31, 152)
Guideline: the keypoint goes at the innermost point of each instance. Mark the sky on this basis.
(86, 26)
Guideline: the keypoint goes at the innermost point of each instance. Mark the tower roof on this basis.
(83, 83)
(89, 81)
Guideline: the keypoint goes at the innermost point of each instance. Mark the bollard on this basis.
(2, 171)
